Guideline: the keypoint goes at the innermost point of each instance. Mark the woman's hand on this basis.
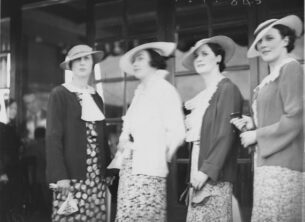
(198, 180)
(244, 121)
(63, 186)
(248, 138)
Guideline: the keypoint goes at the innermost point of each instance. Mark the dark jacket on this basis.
(10, 144)
(219, 141)
(66, 137)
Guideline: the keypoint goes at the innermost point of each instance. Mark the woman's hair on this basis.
(156, 60)
(290, 33)
(218, 50)
(9, 102)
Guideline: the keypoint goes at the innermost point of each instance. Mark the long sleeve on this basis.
(220, 131)
(173, 121)
(56, 168)
(279, 135)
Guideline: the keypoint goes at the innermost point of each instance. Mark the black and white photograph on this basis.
(152, 111)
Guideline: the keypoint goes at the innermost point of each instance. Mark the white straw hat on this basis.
(79, 51)
(290, 21)
(163, 48)
(225, 42)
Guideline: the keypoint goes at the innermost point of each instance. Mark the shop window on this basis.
(5, 55)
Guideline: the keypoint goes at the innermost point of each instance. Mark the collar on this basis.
(90, 110)
(74, 89)
(274, 74)
(158, 75)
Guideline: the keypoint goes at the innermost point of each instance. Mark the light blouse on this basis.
(155, 121)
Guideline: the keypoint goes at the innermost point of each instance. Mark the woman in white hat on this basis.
(214, 141)
(76, 142)
(153, 129)
(277, 125)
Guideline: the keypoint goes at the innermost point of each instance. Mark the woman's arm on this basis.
(277, 136)
(173, 119)
(221, 131)
(56, 168)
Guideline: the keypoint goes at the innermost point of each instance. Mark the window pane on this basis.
(5, 62)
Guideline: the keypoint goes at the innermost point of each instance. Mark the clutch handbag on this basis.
(209, 189)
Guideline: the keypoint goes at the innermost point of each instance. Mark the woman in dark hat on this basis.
(277, 124)
(76, 143)
(153, 129)
(214, 141)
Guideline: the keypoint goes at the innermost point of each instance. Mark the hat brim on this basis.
(291, 21)
(163, 48)
(97, 57)
(225, 42)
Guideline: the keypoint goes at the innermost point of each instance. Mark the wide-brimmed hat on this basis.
(163, 48)
(225, 42)
(290, 21)
(79, 51)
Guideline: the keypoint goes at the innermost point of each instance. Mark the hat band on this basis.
(263, 27)
(75, 54)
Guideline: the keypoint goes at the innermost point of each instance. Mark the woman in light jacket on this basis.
(76, 140)
(214, 141)
(153, 129)
(277, 129)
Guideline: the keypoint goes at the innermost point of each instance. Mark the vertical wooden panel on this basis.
(90, 23)
(167, 28)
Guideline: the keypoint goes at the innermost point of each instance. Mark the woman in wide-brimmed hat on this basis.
(153, 129)
(214, 141)
(277, 124)
(76, 143)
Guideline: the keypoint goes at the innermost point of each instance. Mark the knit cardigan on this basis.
(280, 137)
(219, 140)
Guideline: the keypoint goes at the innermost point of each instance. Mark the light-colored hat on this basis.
(290, 21)
(163, 48)
(225, 42)
(79, 51)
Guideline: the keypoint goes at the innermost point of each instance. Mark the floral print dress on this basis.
(89, 193)
(140, 197)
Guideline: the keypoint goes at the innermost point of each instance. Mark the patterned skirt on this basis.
(89, 193)
(141, 198)
(215, 204)
(277, 194)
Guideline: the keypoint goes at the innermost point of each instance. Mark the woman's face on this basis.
(141, 65)
(205, 60)
(82, 67)
(271, 46)
(12, 111)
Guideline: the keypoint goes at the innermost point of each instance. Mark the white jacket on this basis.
(155, 121)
